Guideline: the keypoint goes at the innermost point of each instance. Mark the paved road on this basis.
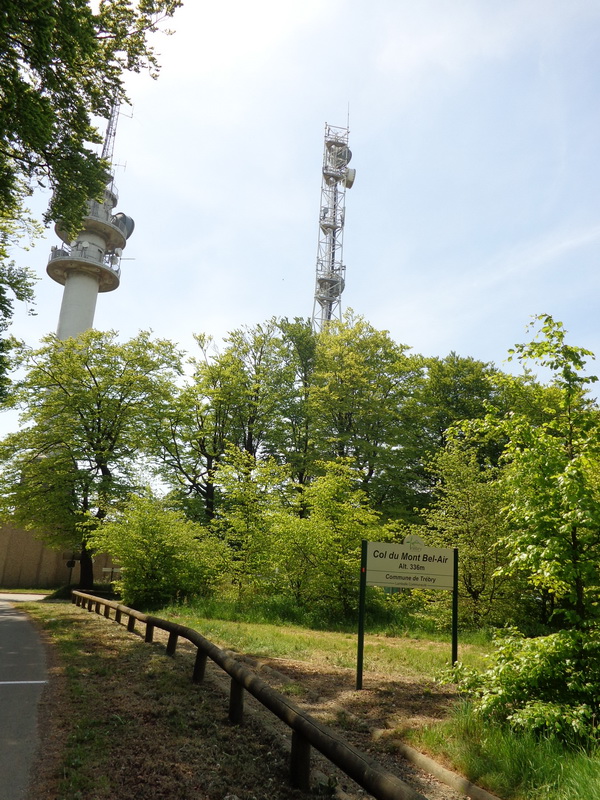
(22, 678)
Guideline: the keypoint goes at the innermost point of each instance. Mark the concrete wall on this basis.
(26, 563)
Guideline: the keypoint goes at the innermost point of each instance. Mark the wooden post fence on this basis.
(307, 732)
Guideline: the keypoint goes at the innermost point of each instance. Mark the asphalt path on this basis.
(22, 677)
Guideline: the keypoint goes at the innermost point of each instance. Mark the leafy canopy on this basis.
(62, 66)
(78, 451)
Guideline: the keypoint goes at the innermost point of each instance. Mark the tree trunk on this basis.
(86, 575)
(209, 500)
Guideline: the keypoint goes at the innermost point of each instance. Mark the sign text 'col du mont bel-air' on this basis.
(411, 565)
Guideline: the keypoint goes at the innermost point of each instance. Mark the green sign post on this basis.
(411, 565)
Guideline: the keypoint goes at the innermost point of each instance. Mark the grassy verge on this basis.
(512, 766)
(135, 727)
(402, 657)
(127, 722)
(523, 767)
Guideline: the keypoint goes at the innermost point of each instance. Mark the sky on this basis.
(474, 127)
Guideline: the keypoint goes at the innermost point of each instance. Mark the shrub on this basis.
(163, 556)
(548, 684)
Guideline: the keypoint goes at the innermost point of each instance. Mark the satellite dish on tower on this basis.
(128, 223)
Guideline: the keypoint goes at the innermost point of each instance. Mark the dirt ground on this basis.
(171, 739)
(371, 719)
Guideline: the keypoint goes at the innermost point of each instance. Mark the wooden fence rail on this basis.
(306, 731)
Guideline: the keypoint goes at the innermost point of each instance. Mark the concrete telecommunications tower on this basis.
(336, 178)
(91, 263)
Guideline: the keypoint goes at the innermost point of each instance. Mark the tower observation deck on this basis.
(330, 271)
(92, 262)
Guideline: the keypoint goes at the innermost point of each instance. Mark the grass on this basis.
(404, 656)
(121, 694)
(127, 722)
(514, 766)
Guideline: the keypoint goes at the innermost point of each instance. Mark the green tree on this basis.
(467, 513)
(342, 516)
(452, 389)
(254, 495)
(253, 357)
(164, 556)
(78, 454)
(361, 385)
(290, 438)
(189, 438)
(15, 284)
(312, 559)
(231, 399)
(551, 683)
(552, 482)
(62, 67)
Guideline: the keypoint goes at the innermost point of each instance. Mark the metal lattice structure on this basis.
(108, 147)
(331, 272)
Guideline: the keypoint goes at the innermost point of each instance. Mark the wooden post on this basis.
(98, 606)
(149, 632)
(107, 612)
(300, 762)
(117, 615)
(172, 643)
(236, 702)
(199, 666)
(131, 623)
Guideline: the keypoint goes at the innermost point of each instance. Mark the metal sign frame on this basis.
(410, 565)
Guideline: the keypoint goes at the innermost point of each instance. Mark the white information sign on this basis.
(411, 565)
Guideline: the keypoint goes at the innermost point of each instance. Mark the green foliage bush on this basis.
(163, 556)
(544, 685)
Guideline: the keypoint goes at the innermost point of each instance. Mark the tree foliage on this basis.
(291, 446)
(77, 453)
(15, 284)
(552, 482)
(254, 495)
(311, 558)
(467, 513)
(549, 683)
(62, 66)
(361, 384)
(164, 556)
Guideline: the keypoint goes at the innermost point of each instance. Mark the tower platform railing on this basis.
(87, 255)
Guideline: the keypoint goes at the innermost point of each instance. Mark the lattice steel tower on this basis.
(92, 262)
(331, 272)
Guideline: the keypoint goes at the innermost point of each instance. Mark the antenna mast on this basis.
(331, 272)
(111, 131)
